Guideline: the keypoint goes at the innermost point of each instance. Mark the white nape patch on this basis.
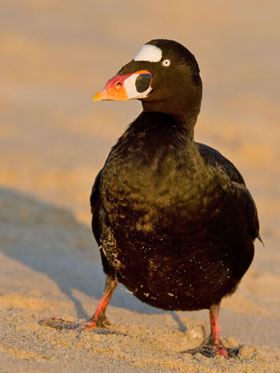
(149, 53)
(131, 91)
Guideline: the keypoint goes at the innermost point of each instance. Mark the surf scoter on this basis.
(173, 218)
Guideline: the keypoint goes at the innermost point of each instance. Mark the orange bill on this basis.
(118, 88)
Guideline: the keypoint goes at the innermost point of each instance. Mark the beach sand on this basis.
(54, 56)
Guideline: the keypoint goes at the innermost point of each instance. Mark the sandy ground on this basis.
(53, 140)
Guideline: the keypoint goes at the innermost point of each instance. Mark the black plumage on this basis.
(173, 218)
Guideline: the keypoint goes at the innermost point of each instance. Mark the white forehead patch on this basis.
(149, 53)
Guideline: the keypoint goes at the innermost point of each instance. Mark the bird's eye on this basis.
(166, 62)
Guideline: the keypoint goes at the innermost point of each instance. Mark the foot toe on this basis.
(208, 350)
(59, 324)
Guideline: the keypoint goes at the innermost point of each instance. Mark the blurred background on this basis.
(54, 55)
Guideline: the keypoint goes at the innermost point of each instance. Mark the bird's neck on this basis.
(157, 131)
(156, 140)
(183, 124)
(184, 117)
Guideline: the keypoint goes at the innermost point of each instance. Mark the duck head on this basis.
(164, 75)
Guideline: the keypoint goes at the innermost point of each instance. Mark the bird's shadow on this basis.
(51, 241)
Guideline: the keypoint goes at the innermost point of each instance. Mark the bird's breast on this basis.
(156, 196)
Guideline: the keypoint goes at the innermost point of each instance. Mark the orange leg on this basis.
(97, 320)
(214, 338)
(213, 346)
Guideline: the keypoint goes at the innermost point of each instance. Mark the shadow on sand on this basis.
(49, 240)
